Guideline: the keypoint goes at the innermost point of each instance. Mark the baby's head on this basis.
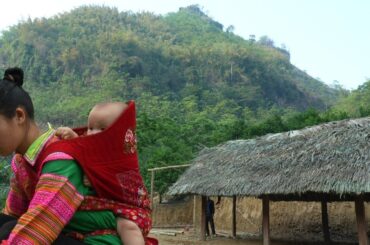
(103, 115)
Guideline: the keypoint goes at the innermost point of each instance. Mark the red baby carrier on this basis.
(109, 159)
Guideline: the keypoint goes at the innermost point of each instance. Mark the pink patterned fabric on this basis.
(56, 156)
(22, 187)
(48, 188)
(23, 184)
(16, 204)
(53, 205)
(43, 204)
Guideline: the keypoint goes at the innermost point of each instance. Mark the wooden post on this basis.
(234, 217)
(361, 221)
(152, 189)
(325, 221)
(203, 219)
(266, 220)
(195, 211)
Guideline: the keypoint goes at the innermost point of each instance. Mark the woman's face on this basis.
(11, 132)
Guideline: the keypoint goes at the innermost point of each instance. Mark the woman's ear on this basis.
(20, 115)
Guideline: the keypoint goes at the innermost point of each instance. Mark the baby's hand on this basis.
(65, 133)
(86, 181)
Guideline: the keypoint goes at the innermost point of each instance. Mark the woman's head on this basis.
(16, 111)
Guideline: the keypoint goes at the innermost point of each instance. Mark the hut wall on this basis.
(289, 220)
(178, 214)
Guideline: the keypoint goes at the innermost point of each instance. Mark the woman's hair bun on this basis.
(14, 74)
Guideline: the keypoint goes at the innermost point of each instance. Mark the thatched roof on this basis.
(330, 159)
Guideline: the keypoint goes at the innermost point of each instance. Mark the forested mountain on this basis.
(196, 83)
(177, 55)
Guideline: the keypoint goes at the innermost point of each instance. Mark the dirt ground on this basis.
(188, 238)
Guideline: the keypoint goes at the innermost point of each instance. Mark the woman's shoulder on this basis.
(57, 156)
(63, 166)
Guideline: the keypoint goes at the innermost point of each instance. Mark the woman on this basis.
(45, 200)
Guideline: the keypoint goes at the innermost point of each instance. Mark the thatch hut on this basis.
(328, 162)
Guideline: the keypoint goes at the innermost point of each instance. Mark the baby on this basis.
(100, 117)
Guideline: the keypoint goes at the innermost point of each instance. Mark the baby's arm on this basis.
(129, 232)
(66, 133)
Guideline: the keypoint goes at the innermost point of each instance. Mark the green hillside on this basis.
(177, 55)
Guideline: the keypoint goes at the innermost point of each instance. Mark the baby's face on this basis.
(97, 122)
(101, 117)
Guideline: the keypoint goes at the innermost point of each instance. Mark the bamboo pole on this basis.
(266, 220)
(361, 222)
(152, 170)
(152, 189)
(169, 167)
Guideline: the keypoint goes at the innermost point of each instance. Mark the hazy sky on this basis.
(329, 39)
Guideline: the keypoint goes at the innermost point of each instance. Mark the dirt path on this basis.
(188, 238)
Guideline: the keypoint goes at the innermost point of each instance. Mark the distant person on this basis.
(210, 211)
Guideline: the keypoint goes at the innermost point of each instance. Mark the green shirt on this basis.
(84, 221)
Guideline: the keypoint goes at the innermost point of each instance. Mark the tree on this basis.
(230, 29)
(266, 41)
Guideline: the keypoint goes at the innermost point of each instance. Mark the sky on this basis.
(329, 39)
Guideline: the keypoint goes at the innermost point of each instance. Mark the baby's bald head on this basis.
(103, 115)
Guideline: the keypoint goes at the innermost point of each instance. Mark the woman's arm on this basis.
(16, 202)
(56, 199)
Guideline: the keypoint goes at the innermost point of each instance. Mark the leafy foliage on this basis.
(357, 102)
(5, 174)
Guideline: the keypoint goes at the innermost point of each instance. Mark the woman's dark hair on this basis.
(12, 95)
